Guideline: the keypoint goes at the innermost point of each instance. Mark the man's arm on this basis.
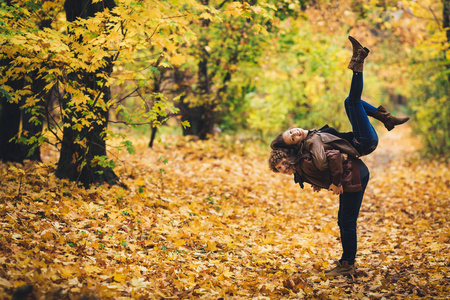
(335, 163)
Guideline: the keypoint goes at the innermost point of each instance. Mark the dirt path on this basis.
(394, 144)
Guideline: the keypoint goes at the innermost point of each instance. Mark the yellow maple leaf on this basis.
(119, 277)
(92, 269)
(211, 246)
(206, 16)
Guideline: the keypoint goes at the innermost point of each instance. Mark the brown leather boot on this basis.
(389, 121)
(341, 269)
(359, 54)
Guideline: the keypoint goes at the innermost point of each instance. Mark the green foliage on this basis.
(231, 38)
(5, 94)
(104, 161)
(232, 114)
(431, 106)
(301, 84)
(129, 146)
(427, 82)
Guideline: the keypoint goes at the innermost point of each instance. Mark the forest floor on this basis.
(208, 220)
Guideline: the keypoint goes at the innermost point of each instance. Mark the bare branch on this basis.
(174, 17)
(128, 123)
(120, 100)
(222, 4)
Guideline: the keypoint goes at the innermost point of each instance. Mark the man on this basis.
(346, 177)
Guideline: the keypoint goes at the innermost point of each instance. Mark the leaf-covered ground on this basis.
(208, 220)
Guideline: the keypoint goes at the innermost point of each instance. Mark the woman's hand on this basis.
(336, 189)
(315, 188)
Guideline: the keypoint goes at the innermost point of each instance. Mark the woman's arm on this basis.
(318, 154)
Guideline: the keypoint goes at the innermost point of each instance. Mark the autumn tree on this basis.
(229, 34)
(82, 63)
(83, 152)
(81, 146)
(9, 114)
(429, 87)
(446, 27)
(15, 144)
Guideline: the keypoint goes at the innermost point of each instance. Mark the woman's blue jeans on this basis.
(365, 136)
(349, 205)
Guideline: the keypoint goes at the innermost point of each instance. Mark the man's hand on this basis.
(336, 189)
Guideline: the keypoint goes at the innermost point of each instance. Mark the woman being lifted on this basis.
(363, 137)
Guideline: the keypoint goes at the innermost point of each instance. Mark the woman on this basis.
(363, 138)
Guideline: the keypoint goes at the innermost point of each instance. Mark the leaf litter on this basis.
(208, 220)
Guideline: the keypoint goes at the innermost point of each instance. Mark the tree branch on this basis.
(122, 99)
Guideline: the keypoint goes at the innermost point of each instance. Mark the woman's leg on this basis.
(366, 139)
(368, 108)
(349, 206)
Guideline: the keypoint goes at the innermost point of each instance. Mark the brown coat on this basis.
(345, 172)
(317, 143)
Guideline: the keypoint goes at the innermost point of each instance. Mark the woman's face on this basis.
(285, 167)
(294, 135)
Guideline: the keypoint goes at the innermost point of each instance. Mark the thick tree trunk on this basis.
(75, 161)
(78, 160)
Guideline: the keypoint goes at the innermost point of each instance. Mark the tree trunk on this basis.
(78, 160)
(75, 162)
(11, 117)
(156, 90)
(9, 127)
(201, 118)
(197, 118)
(33, 129)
